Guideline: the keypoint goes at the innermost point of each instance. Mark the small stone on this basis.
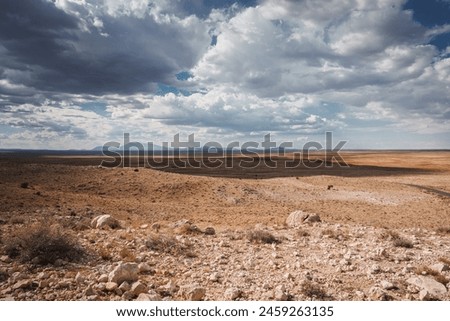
(103, 278)
(5, 259)
(232, 294)
(374, 269)
(111, 286)
(125, 286)
(214, 277)
(138, 288)
(124, 272)
(144, 267)
(171, 287)
(192, 292)
(288, 276)
(280, 293)
(386, 285)
(151, 296)
(79, 278)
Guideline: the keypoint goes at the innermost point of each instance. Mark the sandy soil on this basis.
(385, 189)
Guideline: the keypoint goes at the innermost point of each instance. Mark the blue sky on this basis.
(79, 73)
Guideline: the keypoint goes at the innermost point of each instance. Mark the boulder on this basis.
(430, 288)
(298, 218)
(103, 221)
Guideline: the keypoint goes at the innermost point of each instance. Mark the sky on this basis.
(75, 74)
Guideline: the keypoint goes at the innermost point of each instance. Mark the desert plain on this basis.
(380, 229)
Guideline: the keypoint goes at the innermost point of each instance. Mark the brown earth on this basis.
(385, 222)
(384, 189)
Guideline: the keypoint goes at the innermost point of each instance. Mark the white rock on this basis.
(124, 272)
(144, 267)
(151, 296)
(103, 221)
(434, 288)
(440, 267)
(387, 285)
(298, 218)
(280, 293)
(192, 292)
(232, 294)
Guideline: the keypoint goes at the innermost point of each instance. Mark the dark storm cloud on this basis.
(45, 48)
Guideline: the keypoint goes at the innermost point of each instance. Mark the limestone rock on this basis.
(297, 218)
(431, 286)
(232, 294)
(103, 221)
(124, 272)
(280, 293)
(192, 292)
(151, 296)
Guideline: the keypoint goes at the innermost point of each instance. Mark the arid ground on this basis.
(351, 254)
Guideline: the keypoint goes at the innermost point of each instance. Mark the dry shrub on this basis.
(313, 291)
(40, 244)
(443, 230)
(188, 229)
(402, 242)
(397, 240)
(105, 254)
(444, 260)
(421, 270)
(260, 236)
(170, 245)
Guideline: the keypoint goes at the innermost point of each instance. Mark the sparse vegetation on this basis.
(42, 245)
(443, 230)
(260, 236)
(444, 260)
(424, 270)
(397, 240)
(313, 291)
(170, 245)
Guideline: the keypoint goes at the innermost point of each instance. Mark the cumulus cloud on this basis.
(294, 68)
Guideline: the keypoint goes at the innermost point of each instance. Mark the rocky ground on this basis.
(74, 231)
(303, 261)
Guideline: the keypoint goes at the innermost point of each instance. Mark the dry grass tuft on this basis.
(444, 260)
(397, 240)
(260, 236)
(42, 245)
(424, 270)
(443, 230)
(313, 291)
(170, 245)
